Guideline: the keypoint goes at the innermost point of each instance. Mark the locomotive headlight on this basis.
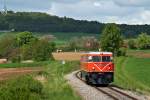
(93, 68)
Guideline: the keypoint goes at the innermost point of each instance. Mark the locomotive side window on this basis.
(106, 59)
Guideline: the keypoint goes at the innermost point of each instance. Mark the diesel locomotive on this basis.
(97, 67)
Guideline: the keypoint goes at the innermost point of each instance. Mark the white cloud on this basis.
(97, 4)
(119, 11)
(137, 3)
(103, 11)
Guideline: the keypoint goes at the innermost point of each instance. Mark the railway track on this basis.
(111, 91)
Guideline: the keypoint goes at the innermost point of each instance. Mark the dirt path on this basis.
(6, 73)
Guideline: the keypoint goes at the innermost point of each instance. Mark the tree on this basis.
(89, 43)
(25, 38)
(74, 43)
(7, 44)
(42, 50)
(111, 38)
(27, 52)
(143, 41)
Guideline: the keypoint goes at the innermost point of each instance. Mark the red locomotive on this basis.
(97, 67)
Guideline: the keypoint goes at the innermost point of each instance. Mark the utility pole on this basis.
(4, 12)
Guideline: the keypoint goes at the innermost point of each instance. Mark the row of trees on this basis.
(25, 46)
(42, 22)
(141, 42)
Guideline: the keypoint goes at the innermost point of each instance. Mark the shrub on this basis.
(132, 44)
(143, 41)
(42, 50)
(122, 52)
(7, 45)
(23, 88)
(26, 52)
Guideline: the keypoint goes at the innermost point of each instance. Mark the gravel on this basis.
(90, 93)
(85, 91)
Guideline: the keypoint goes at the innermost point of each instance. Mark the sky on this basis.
(105, 11)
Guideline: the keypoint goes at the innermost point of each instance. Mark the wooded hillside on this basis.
(42, 22)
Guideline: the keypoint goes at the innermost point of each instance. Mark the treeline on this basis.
(25, 46)
(42, 22)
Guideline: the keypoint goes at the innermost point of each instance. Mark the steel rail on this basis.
(111, 88)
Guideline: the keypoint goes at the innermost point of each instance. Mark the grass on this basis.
(56, 85)
(19, 65)
(22, 88)
(133, 73)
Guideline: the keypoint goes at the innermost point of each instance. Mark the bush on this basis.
(122, 52)
(132, 44)
(143, 41)
(26, 52)
(42, 50)
(7, 45)
(16, 59)
(23, 88)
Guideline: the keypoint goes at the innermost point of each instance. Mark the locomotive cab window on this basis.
(94, 59)
(106, 59)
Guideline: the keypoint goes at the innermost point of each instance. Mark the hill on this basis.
(42, 22)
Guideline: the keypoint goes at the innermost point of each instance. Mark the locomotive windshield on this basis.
(106, 59)
(99, 59)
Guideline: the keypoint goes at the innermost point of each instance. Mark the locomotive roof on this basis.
(98, 53)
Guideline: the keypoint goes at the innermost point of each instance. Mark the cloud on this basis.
(89, 8)
(135, 3)
(119, 11)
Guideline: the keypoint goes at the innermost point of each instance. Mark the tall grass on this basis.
(57, 86)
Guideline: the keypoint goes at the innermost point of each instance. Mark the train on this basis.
(97, 67)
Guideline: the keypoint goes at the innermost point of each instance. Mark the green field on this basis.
(67, 36)
(133, 73)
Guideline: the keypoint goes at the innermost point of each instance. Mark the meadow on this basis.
(54, 86)
(67, 36)
(132, 72)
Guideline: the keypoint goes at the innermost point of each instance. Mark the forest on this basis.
(42, 22)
